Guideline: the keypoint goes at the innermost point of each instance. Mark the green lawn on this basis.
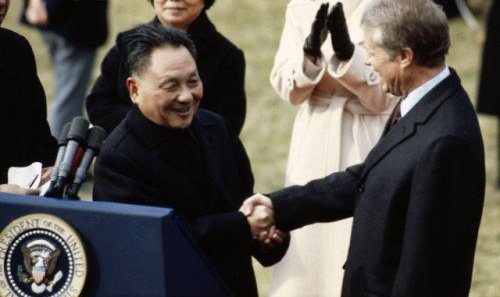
(255, 26)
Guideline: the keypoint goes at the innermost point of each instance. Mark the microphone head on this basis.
(96, 136)
(63, 138)
(79, 129)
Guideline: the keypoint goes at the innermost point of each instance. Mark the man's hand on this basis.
(46, 172)
(261, 219)
(313, 42)
(15, 189)
(337, 25)
(272, 238)
(260, 215)
(257, 199)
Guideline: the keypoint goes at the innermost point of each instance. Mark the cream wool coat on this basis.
(342, 112)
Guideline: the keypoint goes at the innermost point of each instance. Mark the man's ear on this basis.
(406, 57)
(131, 83)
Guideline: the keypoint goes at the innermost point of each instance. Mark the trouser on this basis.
(73, 67)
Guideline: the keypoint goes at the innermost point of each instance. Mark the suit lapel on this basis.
(407, 125)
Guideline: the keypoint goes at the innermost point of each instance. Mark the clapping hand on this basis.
(260, 215)
(313, 43)
(337, 26)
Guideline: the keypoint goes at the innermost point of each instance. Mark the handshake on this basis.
(258, 210)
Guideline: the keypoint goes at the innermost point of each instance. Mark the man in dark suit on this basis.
(166, 152)
(417, 199)
(24, 132)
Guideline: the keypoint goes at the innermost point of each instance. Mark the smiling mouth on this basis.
(183, 110)
(175, 8)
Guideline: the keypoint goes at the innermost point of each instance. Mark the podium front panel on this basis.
(131, 250)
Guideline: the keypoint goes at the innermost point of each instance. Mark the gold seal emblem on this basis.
(41, 255)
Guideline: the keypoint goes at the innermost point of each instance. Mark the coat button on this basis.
(361, 188)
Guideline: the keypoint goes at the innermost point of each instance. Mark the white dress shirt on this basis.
(416, 95)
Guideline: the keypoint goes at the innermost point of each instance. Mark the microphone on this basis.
(76, 137)
(63, 141)
(94, 141)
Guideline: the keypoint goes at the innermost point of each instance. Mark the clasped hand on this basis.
(258, 210)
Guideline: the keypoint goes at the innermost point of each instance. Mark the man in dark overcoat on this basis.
(168, 153)
(417, 199)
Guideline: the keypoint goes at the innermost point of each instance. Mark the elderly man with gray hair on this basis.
(417, 199)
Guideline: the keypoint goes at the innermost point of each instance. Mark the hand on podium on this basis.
(15, 189)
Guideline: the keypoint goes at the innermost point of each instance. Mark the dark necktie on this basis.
(396, 116)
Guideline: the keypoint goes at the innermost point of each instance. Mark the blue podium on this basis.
(130, 250)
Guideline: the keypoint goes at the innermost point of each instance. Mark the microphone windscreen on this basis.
(79, 129)
(63, 138)
(95, 138)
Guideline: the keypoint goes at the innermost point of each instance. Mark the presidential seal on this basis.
(41, 255)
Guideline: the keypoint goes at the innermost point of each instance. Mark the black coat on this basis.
(416, 202)
(142, 163)
(82, 23)
(489, 86)
(25, 134)
(221, 66)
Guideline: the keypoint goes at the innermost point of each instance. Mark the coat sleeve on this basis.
(119, 178)
(293, 77)
(327, 199)
(443, 216)
(106, 105)
(361, 80)
(42, 145)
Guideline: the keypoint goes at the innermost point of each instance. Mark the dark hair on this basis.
(208, 3)
(142, 40)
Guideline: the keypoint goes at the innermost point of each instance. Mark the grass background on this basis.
(255, 26)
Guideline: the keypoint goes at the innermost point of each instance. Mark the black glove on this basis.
(312, 45)
(341, 42)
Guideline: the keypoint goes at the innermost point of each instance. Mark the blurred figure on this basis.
(417, 199)
(489, 87)
(25, 134)
(343, 109)
(72, 31)
(221, 66)
(167, 152)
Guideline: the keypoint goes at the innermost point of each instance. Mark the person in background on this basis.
(320, 66)
(221, 66)
(167, 152)
(417, 199)
(489, 88)
(72, 31)
(25, 134)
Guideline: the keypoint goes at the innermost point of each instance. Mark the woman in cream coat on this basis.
(343, 109)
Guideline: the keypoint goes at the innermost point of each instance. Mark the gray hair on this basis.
(417, 24)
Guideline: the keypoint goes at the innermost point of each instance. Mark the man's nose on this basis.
(186, 95)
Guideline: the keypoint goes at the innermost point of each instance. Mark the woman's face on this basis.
(4, 7)
(178, 13)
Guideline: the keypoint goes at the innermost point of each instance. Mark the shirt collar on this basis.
(416, 95)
